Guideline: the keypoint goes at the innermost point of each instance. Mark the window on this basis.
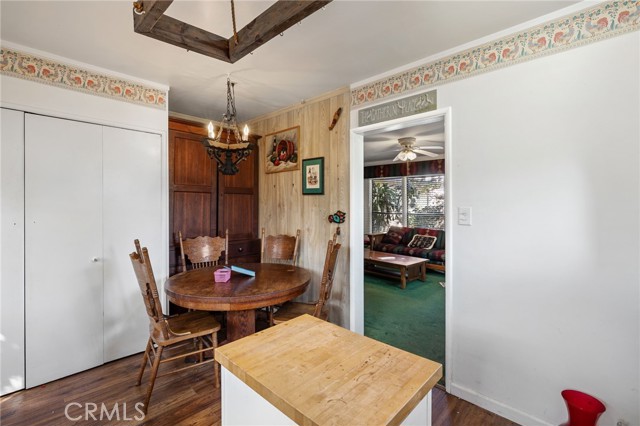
(386, 203)
(406, 201)
(425, 196)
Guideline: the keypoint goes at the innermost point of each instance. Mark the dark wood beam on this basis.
(281, 16)
(192, 38)
(153, 11)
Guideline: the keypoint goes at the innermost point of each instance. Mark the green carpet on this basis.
(411, 319)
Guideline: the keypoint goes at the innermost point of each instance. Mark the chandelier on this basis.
(228, 147)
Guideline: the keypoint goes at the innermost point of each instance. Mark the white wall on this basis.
(30, 96)
(545, 294)
(56, 101)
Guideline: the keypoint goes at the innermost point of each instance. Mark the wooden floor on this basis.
(185, 398)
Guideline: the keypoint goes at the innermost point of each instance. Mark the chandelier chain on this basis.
(231, 95)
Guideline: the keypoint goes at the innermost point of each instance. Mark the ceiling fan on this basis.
(410, 152)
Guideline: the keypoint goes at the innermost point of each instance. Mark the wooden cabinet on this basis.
(238, 210)
(203, 201)
(193, 188)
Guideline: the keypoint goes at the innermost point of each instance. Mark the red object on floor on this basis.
(584, 409)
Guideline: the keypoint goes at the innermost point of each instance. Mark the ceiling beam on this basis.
(282, 15)
(192, 38)
(152, 11)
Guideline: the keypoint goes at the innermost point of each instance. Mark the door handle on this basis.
(95, 259)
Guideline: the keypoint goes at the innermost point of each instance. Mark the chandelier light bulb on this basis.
(245, 132)
(212, 134)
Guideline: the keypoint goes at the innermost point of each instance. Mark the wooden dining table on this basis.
(240, 296)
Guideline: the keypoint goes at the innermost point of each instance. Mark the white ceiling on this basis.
(383, 146)
(346, 42)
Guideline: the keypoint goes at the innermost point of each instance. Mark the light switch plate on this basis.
(464, 216)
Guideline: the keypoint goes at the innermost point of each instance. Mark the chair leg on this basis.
(216, 366)
(270, 314)
(152, 379)
(145, 357)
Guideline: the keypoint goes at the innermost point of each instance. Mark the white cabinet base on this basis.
(242, 406)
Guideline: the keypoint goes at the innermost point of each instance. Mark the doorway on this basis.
(358, 139)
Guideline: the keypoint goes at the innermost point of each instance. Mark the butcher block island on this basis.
(310, 372)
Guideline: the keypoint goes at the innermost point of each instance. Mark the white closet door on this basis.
(132, 209)
(11, 251)
(63, 247)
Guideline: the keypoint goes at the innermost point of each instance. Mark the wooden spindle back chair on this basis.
(318, 309)
(326, 283)
(279, 248)
(177, 333)
(203, 251)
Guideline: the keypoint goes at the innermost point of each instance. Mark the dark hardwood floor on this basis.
(184, 398)
(449, 410)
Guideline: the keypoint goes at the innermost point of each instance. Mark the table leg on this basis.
(403, 277)
(240, 324)
(423, 271)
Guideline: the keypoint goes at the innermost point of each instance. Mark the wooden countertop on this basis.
(317, 373)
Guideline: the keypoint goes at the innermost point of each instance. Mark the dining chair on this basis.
(278, 249)
(177, 334)
(203, 251)
(291, 310)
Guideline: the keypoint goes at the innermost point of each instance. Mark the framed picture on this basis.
(313, 176)
(282, 150)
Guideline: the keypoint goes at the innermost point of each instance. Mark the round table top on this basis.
(273, 284)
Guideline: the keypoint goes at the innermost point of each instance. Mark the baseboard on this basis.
(496, 407)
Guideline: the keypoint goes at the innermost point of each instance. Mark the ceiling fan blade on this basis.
(429, 147)
(427, 153)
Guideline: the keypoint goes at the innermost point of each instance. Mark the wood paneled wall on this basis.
(283, 208)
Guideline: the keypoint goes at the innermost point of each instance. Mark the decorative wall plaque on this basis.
(399, 108)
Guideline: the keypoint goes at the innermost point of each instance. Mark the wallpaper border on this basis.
(590, 25)
(31, 67)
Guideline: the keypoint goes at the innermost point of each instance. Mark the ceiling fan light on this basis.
(402, 156)
(411, 155)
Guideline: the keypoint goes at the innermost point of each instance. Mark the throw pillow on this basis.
(422, 241)
(393, 235)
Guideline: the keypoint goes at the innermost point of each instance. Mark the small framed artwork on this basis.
(282, 150)
(313, 176)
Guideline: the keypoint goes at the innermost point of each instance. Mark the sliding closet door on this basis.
(11, 251)
(63, 247)
(132, 209)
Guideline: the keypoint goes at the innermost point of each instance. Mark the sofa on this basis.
(418, 242)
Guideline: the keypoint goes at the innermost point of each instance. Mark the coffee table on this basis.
(409, 267)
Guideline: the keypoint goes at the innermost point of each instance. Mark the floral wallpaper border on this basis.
(603, 21)
(31, 67)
